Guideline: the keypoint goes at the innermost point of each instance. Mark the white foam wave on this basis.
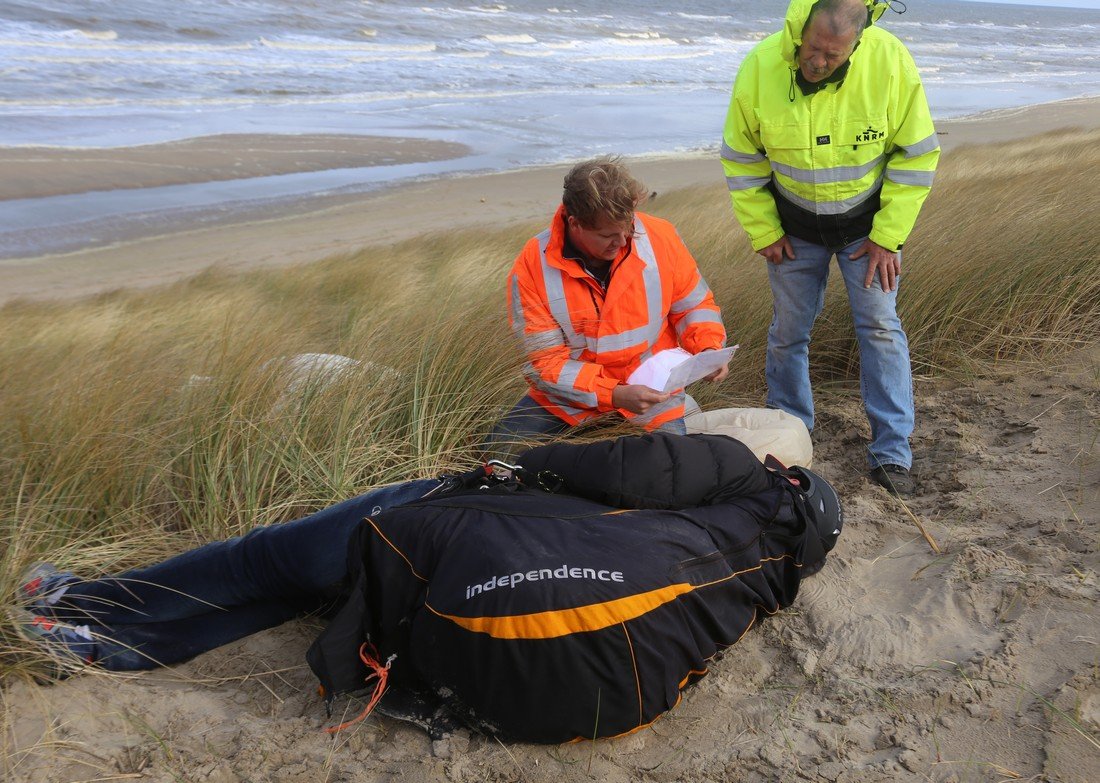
(510, 39)
(658, 41)
(703, 17)
(99, 35)
(528, 53)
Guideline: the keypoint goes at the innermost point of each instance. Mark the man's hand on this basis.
(776, 250)
(636, 398)
(879, 259)
(718, 375)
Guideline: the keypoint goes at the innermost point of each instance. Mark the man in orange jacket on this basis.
(593, 296)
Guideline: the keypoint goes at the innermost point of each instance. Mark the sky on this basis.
(1093, 4)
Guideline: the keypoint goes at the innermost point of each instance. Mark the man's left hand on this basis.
(879, 259)
(718, 375)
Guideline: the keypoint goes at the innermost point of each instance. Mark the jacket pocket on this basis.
(776, 136)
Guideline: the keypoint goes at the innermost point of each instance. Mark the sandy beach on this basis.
(975, 663)
(895, 663)
(340, 224)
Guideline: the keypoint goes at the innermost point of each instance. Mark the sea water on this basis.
(521, 82)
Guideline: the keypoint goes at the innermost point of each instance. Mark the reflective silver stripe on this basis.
(924, 145)
(732, 155)
(551, 338)
(823, 176)
(555, 295)
(906, 177)
(569, 409)
(553, 392)
(675, 401)
(564, 387)
(651, 278)
(830, 207)
(697, 317)
(746, 183)
(693, 299)
(519, 323)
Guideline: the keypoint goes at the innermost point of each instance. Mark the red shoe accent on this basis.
(31, 587)
(44, 623)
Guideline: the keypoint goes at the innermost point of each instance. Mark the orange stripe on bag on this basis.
(562, 622)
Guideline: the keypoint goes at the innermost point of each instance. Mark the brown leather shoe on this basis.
(895, 479)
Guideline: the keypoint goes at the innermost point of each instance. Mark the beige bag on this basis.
(764, 430)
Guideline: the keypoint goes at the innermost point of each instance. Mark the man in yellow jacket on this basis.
(601, 290)
(829, 148)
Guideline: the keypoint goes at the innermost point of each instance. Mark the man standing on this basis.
(829, 149)
(593, 296)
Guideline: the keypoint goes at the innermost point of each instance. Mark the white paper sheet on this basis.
(676, 368)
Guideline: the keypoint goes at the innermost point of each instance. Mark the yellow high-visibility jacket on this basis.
(581, 342)
(857, 154)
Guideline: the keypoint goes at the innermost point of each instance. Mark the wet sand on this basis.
(35, 172)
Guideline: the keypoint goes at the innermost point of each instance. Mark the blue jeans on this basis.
(798, 293)
(225, 590)
(528, 421)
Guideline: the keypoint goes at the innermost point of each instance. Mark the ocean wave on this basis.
(99, 35)
(704, 17)
(324, 44)
(646, 56)
(122, 47)
(512, 39)
(528, 53)
(198, 32)
(658, 41)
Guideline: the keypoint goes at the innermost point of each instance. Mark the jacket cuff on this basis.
(604, 389)
(762, 241)
(702, 343)
(891, 243)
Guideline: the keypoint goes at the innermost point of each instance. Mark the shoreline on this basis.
(301, 230)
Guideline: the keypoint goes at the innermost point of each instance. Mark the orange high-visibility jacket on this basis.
(582, 343)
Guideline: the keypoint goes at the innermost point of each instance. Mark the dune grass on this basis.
(140, 423)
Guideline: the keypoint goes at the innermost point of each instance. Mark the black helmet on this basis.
(823, 503)
(819, 496)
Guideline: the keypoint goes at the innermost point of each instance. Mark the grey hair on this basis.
(844, 16)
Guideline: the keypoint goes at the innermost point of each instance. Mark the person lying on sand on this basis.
(601, 290)
(574, 594)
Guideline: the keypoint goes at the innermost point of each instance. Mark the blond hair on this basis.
(601, 188)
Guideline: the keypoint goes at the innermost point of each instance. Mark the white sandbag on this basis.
(764, 430)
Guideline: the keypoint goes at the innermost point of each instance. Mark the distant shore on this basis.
(295, 234)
